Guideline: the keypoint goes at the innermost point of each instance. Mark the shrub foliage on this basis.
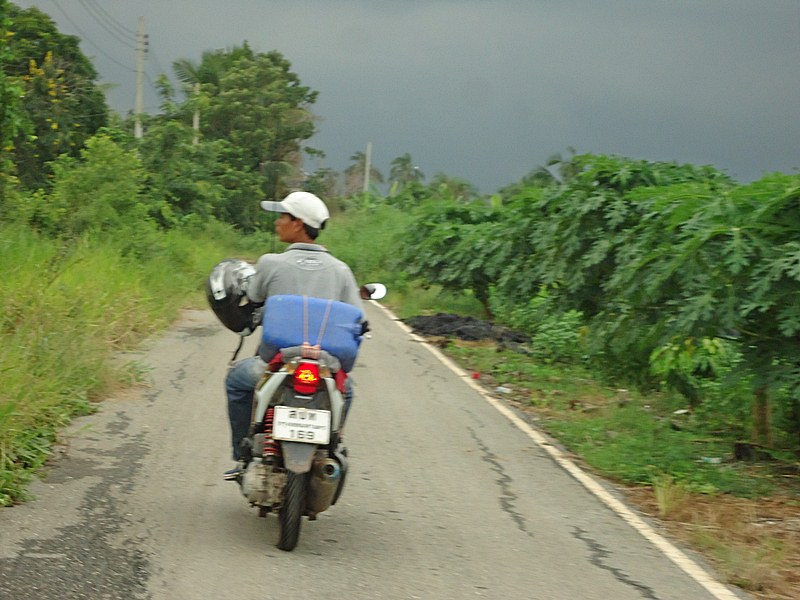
(658, 269)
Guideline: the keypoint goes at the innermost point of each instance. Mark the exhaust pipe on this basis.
(326, 475)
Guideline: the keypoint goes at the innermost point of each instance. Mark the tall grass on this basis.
(66, 308)
(369, 241)
(366, 240)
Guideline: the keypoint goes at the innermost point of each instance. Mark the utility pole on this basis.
(196, 117)
(141, 49)
(367, 166)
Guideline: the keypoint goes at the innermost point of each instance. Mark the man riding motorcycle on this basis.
(305, 268)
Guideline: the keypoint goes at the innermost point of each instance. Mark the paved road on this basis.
(446, 498)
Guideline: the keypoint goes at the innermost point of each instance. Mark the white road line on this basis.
(690, 567)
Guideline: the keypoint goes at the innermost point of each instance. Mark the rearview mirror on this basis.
(373, 291)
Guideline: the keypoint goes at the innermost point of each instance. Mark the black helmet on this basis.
(226, 290)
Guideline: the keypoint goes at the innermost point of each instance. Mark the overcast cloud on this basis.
(487, 90)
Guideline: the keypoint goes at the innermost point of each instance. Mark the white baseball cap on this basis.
(301, 205)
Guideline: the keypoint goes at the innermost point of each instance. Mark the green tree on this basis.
(98, 192)
(253, 115)
(212, 66)
(556, 170)
(199, 81)
(324, 182)
(61, 102)
(183, 178)
(729, 267)
(354, 174)
(403, 172)
(460, 190)
(11, 119)
(262, 110)
(455, 245)
(572, 229)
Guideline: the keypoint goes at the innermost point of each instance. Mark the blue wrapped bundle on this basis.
(294, 320)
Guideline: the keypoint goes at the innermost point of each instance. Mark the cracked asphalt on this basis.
(445, 499)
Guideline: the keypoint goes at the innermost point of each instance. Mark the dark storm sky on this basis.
(487, 90)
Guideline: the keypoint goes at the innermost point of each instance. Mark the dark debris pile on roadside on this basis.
(464, 328)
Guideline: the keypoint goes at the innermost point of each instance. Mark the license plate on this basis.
(301, 425)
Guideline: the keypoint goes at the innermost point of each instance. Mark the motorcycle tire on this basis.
(294, 507)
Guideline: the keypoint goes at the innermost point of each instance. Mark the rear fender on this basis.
(265, 393)
(337, 403)
(298, 456)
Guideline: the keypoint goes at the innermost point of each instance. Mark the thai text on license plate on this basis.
(301, 425)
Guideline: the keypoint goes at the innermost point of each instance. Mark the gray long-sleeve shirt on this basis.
(304, 270)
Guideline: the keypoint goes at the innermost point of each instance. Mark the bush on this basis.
(556, 336)
(68, 306)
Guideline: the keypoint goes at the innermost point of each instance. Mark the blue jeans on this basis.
(240, 383)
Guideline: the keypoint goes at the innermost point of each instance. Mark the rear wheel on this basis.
(292, 510)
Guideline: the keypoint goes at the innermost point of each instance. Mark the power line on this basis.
(114, 23)
(106, 22)
(86, 38)
(153, 86)
(158, 65)
(105, 26)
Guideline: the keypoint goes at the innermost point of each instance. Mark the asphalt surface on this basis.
(446, 498)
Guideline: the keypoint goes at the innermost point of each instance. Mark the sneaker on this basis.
(233, 474)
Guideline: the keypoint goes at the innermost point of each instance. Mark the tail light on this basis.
(306, 378)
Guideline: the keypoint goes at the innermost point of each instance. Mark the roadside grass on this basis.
(67, 310)
(752, 543)
(367, 241)
(743, 516)
(632, 438)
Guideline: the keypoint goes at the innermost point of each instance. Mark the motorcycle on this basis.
(294, 463)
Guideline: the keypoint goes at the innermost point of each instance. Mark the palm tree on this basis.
(403, 171)
(561, 169)
(209, 72)
(454, 188)
(557, 169)
(354, 174)
(193, 75)
(212, 66)
(323, 182)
